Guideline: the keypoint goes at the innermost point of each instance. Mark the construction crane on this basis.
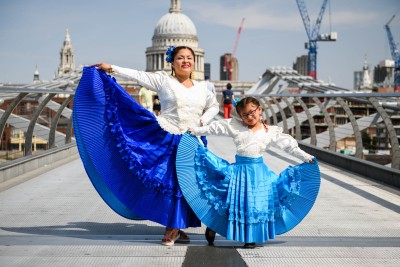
(229, 61)
(395, 55)
(314, 36)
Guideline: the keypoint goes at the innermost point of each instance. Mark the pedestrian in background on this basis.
(227, 100)
(146, 98)
(156, 105)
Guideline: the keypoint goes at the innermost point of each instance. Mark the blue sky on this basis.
(118, 32)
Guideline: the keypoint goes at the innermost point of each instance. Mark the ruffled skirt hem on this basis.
(128, 157)
(244, 201)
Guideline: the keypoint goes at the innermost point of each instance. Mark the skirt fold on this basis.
(244, 201)
(128, 157)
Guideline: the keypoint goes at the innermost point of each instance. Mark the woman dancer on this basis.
(246, 201)
(128, 153)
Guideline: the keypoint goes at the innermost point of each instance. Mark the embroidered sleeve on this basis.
(150, 80)
(220, 127)
(211, 109)
(288, 144)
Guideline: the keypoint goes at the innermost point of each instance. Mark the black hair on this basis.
(244, 101)
(229, 86)
(249, 100)
(176, 50)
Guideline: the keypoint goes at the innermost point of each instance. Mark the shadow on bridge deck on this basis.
(56, 218)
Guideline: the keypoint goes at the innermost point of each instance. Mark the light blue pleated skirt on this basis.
(244, 201)
(250, 200)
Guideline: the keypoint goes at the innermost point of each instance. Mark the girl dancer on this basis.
(246, 201)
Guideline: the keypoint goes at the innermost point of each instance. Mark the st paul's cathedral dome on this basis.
(174, 28)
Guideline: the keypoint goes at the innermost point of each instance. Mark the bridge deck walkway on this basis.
(56, 218)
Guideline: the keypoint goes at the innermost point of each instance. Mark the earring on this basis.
(191, 76)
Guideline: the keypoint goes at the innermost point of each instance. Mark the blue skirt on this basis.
(128, 157)
(244, 201)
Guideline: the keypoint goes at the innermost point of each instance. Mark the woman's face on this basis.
(251, 114)
(183, 63)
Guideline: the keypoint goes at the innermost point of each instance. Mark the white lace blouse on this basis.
(181, 108)
(253, 144)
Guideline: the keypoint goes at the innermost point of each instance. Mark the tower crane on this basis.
(229, 62)
(395, 55)
(314, 36)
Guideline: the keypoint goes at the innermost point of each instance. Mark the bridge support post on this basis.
(391, 131)
(332, 138)
(265, 108)
(9, 110)
(274, 118)
(354, 124)
(52, 134)
(296, 119)
(31, 127)
(283, 115)
(313, 132)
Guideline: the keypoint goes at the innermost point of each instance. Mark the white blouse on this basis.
(181, 108)
(253, 144)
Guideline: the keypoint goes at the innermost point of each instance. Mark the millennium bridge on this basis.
(50, 214)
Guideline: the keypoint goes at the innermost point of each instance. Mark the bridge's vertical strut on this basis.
(296, 119)
(31, 127)
(313, 131)
(331, 129)
(274, 118)
(391, 131)
(68, 135)
(265, 108)
(9, 110)
(283, 115)
(52, 134)
(354, 124)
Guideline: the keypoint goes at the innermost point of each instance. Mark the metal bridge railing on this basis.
(34, 120)
(363, 125)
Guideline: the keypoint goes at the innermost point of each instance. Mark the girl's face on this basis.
(251, 114)
(183, 63)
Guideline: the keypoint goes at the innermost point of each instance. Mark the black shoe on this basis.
(249, 245)
(210, 236)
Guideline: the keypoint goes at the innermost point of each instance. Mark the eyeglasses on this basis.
(251, 113)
